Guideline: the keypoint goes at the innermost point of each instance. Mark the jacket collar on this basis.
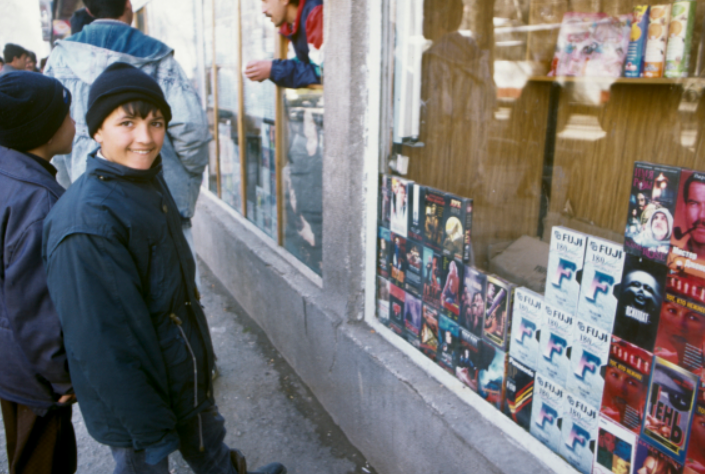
(291, 29)
(105, 169)
(23, 168)
(121, 38)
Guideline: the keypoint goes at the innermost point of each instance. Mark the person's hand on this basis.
(258, 70)
(66, 399)
(306, 232)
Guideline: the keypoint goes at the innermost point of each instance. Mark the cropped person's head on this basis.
(15, 55)
(276, 10)
(441, 17)
(128, 115)
(113, 9)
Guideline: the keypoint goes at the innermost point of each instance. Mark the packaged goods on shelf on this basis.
(579, 432)
(385, 200)
(640, 299)
(469, 359)
(492, 373)
(695, 459)
(399, 206)
(657, 37)
(648, 457)
(413, 277)
(591, 348)
(473, 301)
(383, 300)
(519, 393)
(397, 299)
(398, 260)
(616, 448)
(652, 206)
(452, 284)
(432, 277)
(527, 315)
(457, 227)
(412, 320)
(384, 252)
(565, 261)
(416, 213)
(604, 262)
(547, 411)
(433, 219)
(448, 344)
(688, 240)
(626, 384)
(429, 331)
(680, 38)
(634, 63)
(496, 326)
(556, 340)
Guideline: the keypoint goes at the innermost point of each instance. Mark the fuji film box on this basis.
(579, 432)
(526, 324)
(565, 260)
(547, 411)
(556, 340)
(591, 348)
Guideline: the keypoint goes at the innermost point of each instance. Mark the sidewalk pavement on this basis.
(270, 414)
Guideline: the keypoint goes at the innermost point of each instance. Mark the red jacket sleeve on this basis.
(314, 27)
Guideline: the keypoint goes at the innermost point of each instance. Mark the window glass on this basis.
(259, 39)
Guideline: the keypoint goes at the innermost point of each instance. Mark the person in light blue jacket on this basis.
(78, 60)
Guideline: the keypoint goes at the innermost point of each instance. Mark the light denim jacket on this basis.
(77, 61)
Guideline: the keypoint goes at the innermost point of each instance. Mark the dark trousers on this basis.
(39, 444)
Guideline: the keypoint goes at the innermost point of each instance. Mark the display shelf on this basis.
(688, 81)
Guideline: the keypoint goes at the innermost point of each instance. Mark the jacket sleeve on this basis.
(293, 73)
(109, 333)
(188, 129)
(33, 319)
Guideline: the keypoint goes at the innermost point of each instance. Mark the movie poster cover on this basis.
(417, 200)
(579, 432)
(493, 370)
(398, 260)
(412, 320)
(688, 240)
(626, 384)
(588, 360)
(384, 253)
(651, 460)
(565, 261)
(496, 326)
(383, 300)
(640, 299)
(457, 227)
(602, 274)
(547, 412)
(452, 286)
(556, 340)
(652, 206)
(616, 449)
(433, 219)
(448, 343)
(519, 393)
(399, 206)
(680, 338)
(385, 193)
(526, 325)
(695, 459)
(397, 300)
(432, 277)
(429, 331)
(413, 277)
(470, 359)
(472, 307)
(669, 409)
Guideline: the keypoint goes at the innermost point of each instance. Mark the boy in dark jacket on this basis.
(122, 278)
(35, 388)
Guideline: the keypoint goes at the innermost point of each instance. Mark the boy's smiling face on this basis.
(130, 140)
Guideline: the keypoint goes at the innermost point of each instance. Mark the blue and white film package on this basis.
(591, 349)
(556, 339)
(579, 430)
(526, 324)
(565, 261)
(549, 398)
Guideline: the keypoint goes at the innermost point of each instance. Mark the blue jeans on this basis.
(215, 459)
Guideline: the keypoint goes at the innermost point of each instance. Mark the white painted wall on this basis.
(20, 23)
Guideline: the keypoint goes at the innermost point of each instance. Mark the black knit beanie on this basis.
(32, 109)
(119, 84)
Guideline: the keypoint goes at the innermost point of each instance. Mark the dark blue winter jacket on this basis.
(33, 368)
(308, 28)
(122, 277)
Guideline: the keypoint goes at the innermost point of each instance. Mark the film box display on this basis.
(457, 227)
(492, 371)
(519, 393)
(413, 277)
(670, 406)
(565, 260)
(602, 273)
(657, 37)
(399, 206)
(432, 272)
(579, 432)
(589, 354)
(412, 320)
(429, 331)
(634, 64)
(680, 338)
(680, 38)
(397, 299)
(652, 205)
(383, 300)
(397, 258)
(434, 203)
(496, 326)
(640, 298)
(469, 359)
(384, 252)
(452, 282)
(556, 339)
(448, 334)
(688, 240)
(416, 215)
(626, 384)
(547, 411)
(472, 308)
(616, 448)
(527, 314)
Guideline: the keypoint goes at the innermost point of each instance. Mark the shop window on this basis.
(538, 111)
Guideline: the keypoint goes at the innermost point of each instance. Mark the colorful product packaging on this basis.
(412, 320)
(616, 449)
(634, 64)
(556, 340)
(579, 432)
(448, 344)
(688, 240)
(383, 300)
(473, 301)
(565, 260)
(519, 393)
(457, 227)
(591, 348)
(526, 324)
(547, 411)
(680, 38)
(657, 37)
(399, 206)
(429, 331)
(496, 327)
(397, 300)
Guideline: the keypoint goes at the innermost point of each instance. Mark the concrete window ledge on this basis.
(404, 414)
